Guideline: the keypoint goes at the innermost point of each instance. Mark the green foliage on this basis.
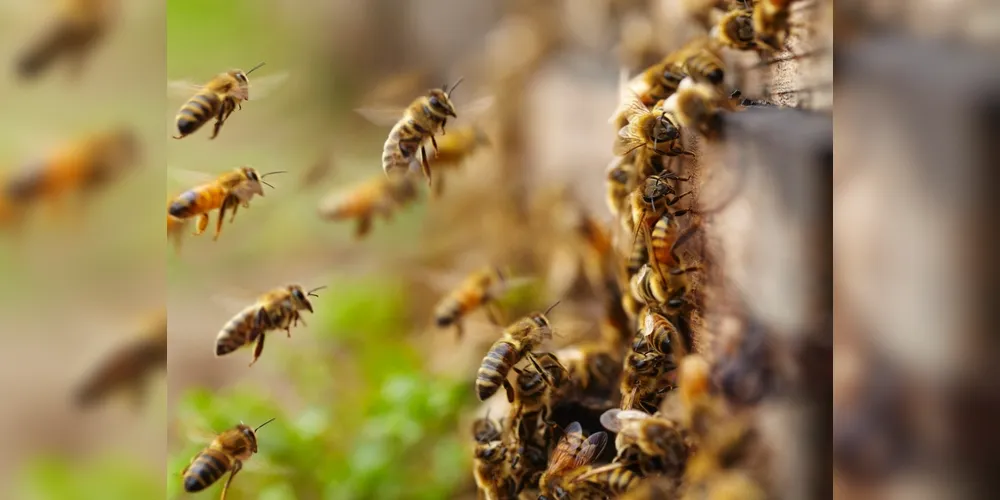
(111, 478)
(376, 426)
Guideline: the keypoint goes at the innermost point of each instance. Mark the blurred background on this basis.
(81, 250)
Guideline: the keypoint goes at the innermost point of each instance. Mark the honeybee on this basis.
(275, 310)
(735, 29)
(453, 148)
(536, 391)
(653, 85)
(485, 430)
(667, 237)
(379, 195)
(593, 367)
(81, 167)
(229, 190)
(614, 479)
(481, 288)
(488, 469)
(654, 436)
(226, 453)
(701, 60)
(770, 23)
(518, 341)
(645, 375)
(217, 99)
(421, 120)
(571, 457)
(647, 207)
(654, 129)
(78, 28)
(128, 367)
(620, 179)
(698, 106)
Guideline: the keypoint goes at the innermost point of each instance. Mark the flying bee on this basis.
(654, 436)
(645, 375)
(571, 457)
(735, 29)
(129, 366)
(275, 310)
(454, 148)
(79, 167)
(653, 129)
(73, 35)
(226, 453)
(518, 341)
(229, 190)
(424, 117)
(480, 289)
(379, 195)
(217, 99)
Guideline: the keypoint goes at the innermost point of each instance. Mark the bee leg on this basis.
(434, 142)
(218, 126)
(222, 217)
(236, 468)
(510, 390)
(202, 224)
(545, 376)
(424, 165)
(459, 331)
(257, 349)
(364, 226)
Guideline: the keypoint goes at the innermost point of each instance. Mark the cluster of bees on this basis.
(648, 376)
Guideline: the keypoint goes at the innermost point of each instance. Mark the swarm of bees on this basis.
(647, 379)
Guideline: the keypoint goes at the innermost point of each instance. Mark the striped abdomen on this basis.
(705, 65)
(198, 111)
(617, 481)
(208, 467)
(662, 239)
(638, 257)
(402, 145)
(238, 332)
(199, 200)
(458, 304)
(496, 365)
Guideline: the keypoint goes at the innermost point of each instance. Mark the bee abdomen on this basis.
(205, 471)
(197, 112)
(497, 363)
(237, 333)
(185, 204)
(621, 480)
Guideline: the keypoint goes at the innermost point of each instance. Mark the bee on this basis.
(735, 29)
(620, 178)
(614, 479)
(670, 294)
(485, 430)
(698, 106)
(275, 310)
(653, 436)
(490, 462)
(81, 166)
(592, 367)
(128, 367)
(517, 342)
(667, 237)
(654, 84)
(653, 129)
(229, 190)
(226, 453)
(647, 206)
(645, 375)
(770, 23)
(571, 457)
(318, 170)
(421, 120)
(480, 289)
(536, 391)
(453, 148)
(380, 195)
(701, 60)
(217, 99)
(74, 34)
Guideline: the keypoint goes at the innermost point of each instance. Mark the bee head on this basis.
(671, 78)
(253, 180)
(301, 297)
(242, 83)
(664, 129)
(440, 102)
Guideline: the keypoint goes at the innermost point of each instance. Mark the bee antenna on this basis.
(267, 184)
(254, 68)
(262, 425)
(453, 87)
(310, 292)
(553, 306)
(275, 172)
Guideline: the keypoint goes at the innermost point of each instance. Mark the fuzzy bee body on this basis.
(228, 191)
(377, 196)
(423, 118)
(276, 310)
(518, 340)
(479, 289)
(217, 99)
(226, 453)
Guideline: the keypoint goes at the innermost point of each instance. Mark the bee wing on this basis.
(266, 85)
(386, 116)
(616, 420)
(477, 108)
(590, 449)
(633, 106)
(189, 177)
(182, 88)
(234, 299)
